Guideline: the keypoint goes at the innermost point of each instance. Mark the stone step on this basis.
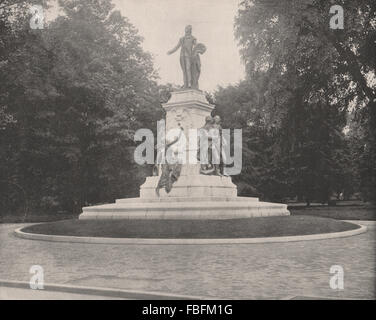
(184, 199)
(182, 205)
(185, 210)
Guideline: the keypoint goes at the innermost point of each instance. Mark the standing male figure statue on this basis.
(204, 152)
(217, 130)
(189, 58)
(210, 140)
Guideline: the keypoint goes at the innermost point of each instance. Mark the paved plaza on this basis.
(249, 271)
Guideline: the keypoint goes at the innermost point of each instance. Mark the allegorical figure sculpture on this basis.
(170, 167)
(205, 147)
(210, 139)
(189, 58)
(217, 146)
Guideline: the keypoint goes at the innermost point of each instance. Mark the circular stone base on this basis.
(206, 208)
(238, 231)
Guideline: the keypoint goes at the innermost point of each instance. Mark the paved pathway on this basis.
(274, 270)
(27, 294)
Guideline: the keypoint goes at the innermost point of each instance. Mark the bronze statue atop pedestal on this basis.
(189, 58)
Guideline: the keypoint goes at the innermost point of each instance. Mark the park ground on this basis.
(343, 210)
(257, 271)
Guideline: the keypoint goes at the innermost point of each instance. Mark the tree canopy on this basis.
(304, 80)
(73, 93)
(72, 96)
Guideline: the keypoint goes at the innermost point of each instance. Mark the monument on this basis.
(187, 191)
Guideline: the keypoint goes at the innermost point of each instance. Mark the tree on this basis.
(262, 172)
(308, 64)
(78, 90)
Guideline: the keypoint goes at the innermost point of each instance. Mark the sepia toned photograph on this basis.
(203, 151)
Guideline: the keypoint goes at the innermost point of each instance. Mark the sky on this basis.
(161, 23)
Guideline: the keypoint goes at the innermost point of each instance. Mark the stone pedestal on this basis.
(193, 196)
(189, 108)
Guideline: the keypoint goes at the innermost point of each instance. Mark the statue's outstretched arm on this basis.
(175, 48)
(176, 139)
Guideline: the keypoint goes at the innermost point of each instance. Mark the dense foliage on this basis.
(72, 95)
(307, 107)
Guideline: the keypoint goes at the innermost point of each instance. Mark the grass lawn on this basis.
(337, 212)
(344, 210)
(194, 229)
(31, 218)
